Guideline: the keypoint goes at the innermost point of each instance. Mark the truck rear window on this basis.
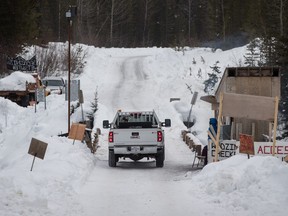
(136, 120)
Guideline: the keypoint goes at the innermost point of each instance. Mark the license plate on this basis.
(135, 148)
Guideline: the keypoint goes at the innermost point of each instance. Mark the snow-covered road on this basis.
(137, 187)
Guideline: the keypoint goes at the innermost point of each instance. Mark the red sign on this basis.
(246, 144)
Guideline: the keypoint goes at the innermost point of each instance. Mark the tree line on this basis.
(142, 23)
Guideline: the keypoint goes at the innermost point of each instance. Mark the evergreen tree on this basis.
(252, 57)
(210, 83)
(94, 107)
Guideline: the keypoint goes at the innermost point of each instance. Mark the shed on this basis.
(259, 81)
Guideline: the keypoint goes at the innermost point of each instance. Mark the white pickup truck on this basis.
(136, 135)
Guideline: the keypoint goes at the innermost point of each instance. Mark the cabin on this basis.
(259, 81)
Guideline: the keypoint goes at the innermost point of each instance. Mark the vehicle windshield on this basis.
(53, 83)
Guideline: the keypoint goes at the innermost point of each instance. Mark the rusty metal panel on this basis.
(248, 106)
(246, 144)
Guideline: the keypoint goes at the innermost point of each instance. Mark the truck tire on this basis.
(160, 159)
(112, 159)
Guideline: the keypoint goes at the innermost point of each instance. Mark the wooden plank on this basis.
(219, 127)
(248, 106)
(77, 131)
(253, 129)
(275, 124)
(270, 131)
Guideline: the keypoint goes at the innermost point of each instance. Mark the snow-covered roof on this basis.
(16, 81)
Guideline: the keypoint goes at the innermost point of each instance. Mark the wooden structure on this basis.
(258, 81)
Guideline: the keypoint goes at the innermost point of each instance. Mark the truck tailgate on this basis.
(135, 136)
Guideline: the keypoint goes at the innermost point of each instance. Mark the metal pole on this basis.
(33, 162)
(45, 97)
(69, 72)
(36, 98)
(189, 116)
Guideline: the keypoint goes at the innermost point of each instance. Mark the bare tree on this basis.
(223, 21)
(111, 21)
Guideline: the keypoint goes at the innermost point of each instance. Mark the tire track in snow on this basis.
(130, 89)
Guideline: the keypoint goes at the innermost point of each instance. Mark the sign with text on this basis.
(77, 131)
(248, 106)
(227, 148)
(37, 148)
(21, 64)
(266, 148)
(246, 144)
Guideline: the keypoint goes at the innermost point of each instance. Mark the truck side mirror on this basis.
(167, 123)
(106, 124)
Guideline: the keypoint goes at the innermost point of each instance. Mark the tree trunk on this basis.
(223, 20)
(111, 22)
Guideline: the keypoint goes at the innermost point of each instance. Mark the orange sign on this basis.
(77, 131)
(246, 144)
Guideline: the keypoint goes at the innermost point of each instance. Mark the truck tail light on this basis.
(111, 137)
(159, 136)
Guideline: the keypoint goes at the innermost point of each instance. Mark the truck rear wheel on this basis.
(112, 159)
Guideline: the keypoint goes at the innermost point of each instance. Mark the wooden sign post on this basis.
(275, 124)
(77, 132)
(37, 149)
(219, 123)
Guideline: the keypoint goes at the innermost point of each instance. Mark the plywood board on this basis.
(77, 131)
(248, 106)
(37, 148)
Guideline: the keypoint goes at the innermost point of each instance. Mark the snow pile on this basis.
(16, 81)
(257, 186)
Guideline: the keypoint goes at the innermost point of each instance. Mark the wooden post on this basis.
(275, 124)
(218, 127)
(232, 129)
(253, 129)
(238, 130)
(270, 132)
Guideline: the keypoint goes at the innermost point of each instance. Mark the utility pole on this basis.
(72, 12)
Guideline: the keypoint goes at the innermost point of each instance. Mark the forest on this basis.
(142, 23)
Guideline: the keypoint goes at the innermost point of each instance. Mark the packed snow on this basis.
(70, 180)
